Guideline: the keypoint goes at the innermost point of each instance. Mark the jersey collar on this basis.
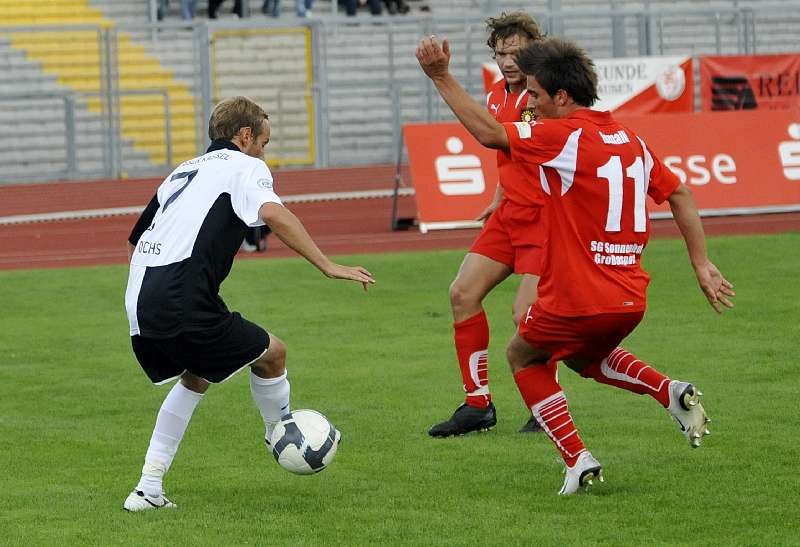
(222, 144)
(596, 116)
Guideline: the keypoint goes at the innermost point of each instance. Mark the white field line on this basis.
(121, 211)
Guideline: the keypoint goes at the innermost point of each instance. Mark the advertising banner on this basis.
(734, 162)
(749, 82)
(454, 177)
(636, 85)
(643, 85)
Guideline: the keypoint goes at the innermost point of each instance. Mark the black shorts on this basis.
(214, 355)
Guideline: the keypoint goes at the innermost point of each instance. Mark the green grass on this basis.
(76, 414)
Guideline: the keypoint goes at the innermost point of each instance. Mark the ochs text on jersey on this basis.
(148, 247)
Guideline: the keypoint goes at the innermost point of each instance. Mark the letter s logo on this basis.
(789, 152)
(459, 175)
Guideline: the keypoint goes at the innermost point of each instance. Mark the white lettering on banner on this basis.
(459, 175)
(723, 168)
(790, 153)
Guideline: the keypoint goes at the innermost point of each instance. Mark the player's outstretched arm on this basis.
(288, 228)
(717, 289)
(435, 61)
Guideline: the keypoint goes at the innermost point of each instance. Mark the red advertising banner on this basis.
(454, 176)
(747, 82)
(734, 162)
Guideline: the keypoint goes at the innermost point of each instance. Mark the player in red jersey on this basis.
(592, 294)
(512, 241)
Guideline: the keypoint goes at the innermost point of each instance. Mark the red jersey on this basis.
(506, 106)
(596, 175)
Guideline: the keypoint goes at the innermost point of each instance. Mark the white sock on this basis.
(272, 398)
(173, 417)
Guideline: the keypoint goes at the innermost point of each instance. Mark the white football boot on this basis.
(581, 475)
(685, 408)
(139, 501)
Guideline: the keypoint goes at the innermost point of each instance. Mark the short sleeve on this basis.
(534, 142)
(251, 190)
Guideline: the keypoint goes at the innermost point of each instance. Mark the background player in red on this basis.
(512, 240)
(592, 294)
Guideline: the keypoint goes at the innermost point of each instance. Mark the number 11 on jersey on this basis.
(612, 172)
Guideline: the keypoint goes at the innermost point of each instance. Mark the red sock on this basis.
(543, 395)
(622, 369)
(472, 348)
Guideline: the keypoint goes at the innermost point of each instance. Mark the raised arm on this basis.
(717, 289)
(288, 228)
(435, 60)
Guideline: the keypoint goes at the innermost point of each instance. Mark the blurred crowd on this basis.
(301, 8)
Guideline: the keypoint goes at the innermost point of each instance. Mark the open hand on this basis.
(433, 58)
(352, 273)
(717, 289)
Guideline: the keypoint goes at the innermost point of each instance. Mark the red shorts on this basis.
(588, 337)
(514, 235)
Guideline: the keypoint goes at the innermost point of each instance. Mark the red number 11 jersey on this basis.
(596, 175)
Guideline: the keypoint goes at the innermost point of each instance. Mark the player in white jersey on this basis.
(182, 249)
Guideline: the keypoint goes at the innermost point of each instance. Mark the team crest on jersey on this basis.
(264, 183)
(527, 115)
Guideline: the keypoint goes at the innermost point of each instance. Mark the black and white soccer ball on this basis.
(304, 442)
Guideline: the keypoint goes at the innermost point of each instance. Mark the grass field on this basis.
(76, 414)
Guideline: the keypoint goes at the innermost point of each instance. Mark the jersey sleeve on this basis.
(250, 191)
(535, 142)
(144, 221)
(662, 180)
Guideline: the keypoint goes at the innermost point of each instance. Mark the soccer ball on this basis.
(304, 442)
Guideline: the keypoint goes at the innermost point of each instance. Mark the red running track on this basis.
(338, 227)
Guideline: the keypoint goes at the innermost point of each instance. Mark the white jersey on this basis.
(187, 238)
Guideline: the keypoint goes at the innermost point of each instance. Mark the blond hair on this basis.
(232, 114)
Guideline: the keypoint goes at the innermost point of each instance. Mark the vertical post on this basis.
(69, 123)
(555, 18)
(394, 93)
(202, 47)
(113, 101)
(618, 46)
(321, 90)
(167, 129)
(428, 84)
(281, 125)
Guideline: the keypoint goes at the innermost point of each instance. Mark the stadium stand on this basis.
(77, 58)
(338, 88)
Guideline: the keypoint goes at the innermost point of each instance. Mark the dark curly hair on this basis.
(509, 24)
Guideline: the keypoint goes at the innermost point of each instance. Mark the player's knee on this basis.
(194, 383)
(273, 363)
(460, 296)
(515, 358)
